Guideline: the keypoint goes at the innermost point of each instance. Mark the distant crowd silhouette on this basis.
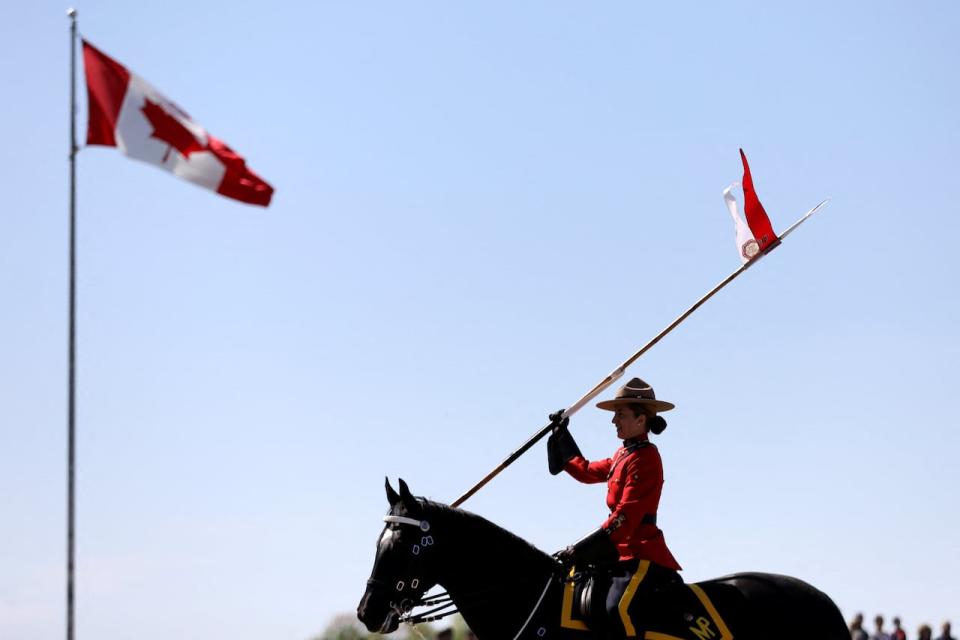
(924, 632)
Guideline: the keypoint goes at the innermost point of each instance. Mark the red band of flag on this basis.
(756, 216)
(128, 113)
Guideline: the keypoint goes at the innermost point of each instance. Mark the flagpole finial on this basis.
(71, 13)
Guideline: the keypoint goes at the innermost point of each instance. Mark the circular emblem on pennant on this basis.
(750, 249)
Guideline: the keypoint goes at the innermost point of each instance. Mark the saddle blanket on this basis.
(621, 606)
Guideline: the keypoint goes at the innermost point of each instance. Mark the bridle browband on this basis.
(423, 525)
(404, 608)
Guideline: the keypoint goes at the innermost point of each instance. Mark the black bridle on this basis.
(408, 588)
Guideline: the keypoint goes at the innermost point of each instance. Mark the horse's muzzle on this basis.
(377, 615)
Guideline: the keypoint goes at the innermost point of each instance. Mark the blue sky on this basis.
(480, 210)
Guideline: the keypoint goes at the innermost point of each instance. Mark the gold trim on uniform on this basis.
(627, 597)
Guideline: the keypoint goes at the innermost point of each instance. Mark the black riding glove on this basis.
(596, 548)
(561, 446)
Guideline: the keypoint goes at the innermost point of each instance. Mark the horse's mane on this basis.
(481, 529)
(494, 576)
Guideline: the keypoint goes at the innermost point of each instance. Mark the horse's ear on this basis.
(392, 496)
(406, 497)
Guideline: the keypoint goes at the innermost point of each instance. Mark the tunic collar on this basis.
(635, 443)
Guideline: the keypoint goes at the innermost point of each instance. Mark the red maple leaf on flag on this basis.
(168, 129)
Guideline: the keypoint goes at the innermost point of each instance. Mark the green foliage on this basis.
(346, 627)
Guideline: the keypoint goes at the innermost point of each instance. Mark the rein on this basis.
(440, 601)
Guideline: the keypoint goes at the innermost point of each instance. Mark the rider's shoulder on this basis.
(642, 451)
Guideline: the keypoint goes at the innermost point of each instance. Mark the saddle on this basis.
(611, 603)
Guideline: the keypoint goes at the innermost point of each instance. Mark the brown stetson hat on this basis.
(635, 392)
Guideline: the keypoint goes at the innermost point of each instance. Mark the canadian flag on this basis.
(127, 113)
(756, 235)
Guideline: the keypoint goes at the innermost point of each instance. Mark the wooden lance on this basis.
(616, 373)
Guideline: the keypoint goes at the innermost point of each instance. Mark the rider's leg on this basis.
(631, 581)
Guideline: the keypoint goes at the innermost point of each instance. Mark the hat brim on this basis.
(656, 405)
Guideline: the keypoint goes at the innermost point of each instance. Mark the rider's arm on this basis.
(588, 472)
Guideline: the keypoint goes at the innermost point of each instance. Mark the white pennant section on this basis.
(152, 128)
(747, 245)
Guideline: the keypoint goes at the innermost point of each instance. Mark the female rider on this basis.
(628, 543)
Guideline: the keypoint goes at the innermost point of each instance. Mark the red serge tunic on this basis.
(634, 478)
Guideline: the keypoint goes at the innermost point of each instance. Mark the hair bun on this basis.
(657, 424)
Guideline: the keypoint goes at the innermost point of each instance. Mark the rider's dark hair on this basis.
(655, 423)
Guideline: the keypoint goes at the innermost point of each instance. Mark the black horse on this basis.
(506, 589)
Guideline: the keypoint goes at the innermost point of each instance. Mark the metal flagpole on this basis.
(616, 373)
(72, 323)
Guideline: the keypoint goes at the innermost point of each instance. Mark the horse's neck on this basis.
(494, 577)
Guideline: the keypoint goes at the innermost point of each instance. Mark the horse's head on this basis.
(401, 569)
